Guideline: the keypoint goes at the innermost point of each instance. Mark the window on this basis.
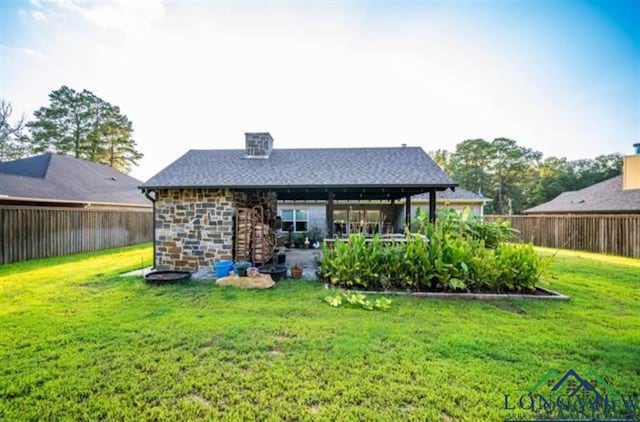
(294, 220)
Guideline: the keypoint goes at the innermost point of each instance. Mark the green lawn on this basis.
(79, 342)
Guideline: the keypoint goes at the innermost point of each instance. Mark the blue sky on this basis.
(562, 77)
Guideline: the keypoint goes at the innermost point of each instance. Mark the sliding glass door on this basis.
(366, 222)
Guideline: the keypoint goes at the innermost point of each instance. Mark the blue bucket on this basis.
(223, 268)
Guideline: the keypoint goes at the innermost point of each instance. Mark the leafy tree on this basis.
(470, 162)
(551, 177)
(511, 174)
(510, 165)
(442, 157)
(14, 143)
(86, 126)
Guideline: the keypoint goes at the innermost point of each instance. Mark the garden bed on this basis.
(539, 294)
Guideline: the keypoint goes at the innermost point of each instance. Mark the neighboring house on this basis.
(618, 195)
(63, 181)
(54, 205)
(198, 195)
(371, 216)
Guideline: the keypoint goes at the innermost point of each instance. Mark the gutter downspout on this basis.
(153, 201)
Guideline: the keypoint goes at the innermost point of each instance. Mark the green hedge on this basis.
(458, 254)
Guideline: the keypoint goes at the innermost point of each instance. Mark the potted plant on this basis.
(287, 242)
(315, 236)
(296, 271)
(242, 267)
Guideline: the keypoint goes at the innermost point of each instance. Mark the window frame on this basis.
(294, 221)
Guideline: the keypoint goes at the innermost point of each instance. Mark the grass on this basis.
(79, 342)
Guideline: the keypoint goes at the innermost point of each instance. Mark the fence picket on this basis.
(31, 233)
(609, 234)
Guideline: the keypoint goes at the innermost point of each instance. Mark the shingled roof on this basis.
(61, 178)
(604, 197)
(302, 168)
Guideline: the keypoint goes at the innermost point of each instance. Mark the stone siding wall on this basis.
(194, 228)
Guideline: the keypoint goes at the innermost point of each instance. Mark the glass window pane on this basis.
(301, 226)
(373, 216)
(301, 215)
(339, 216)
(355, 216)
(287, 215)
(287, 226)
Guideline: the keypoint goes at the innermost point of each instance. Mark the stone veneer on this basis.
(195, 227)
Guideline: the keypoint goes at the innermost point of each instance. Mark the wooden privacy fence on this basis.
(609, 234)
(33, 232)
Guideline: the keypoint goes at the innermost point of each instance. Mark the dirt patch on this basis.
(447, 417)
(509, 307)
(274, 353)
(285, 335)
(195, 398)
(209, 343)
(314, 408)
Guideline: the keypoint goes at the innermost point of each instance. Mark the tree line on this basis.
(77, 123)
(515, 177)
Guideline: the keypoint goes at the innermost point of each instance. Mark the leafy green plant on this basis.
(315, 235)
(243, 265)
(334, 301)
(453, 255)
(359, 300)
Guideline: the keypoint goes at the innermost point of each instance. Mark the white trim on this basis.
(294, 221)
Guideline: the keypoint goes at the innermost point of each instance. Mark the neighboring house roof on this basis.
(604, 197)
(459, 195)
(61, 178)
(361, 167)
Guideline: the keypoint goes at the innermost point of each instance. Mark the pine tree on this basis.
(86, 126)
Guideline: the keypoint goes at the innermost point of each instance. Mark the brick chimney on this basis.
(258, 145)
(631, 170)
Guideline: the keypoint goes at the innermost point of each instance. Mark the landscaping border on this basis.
(549, 294)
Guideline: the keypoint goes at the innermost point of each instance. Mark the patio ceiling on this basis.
(349, 192)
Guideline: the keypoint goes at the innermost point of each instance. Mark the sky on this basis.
(562, 77)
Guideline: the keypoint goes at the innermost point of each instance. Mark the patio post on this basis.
(432, 205)
(329, 216)
(407, 213)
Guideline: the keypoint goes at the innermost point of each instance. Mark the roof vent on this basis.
(403, 145)
(258, 145)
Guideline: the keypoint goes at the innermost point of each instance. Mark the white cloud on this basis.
(29, 52)
(38, 16)
(124, 15)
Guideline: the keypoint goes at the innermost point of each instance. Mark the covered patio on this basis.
(380, 194)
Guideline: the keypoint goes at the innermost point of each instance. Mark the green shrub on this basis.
(519, 267)
(454, 255)
(469, 226)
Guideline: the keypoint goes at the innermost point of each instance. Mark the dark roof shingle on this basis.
(304, 168)
(603, 197)
(63, 178)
